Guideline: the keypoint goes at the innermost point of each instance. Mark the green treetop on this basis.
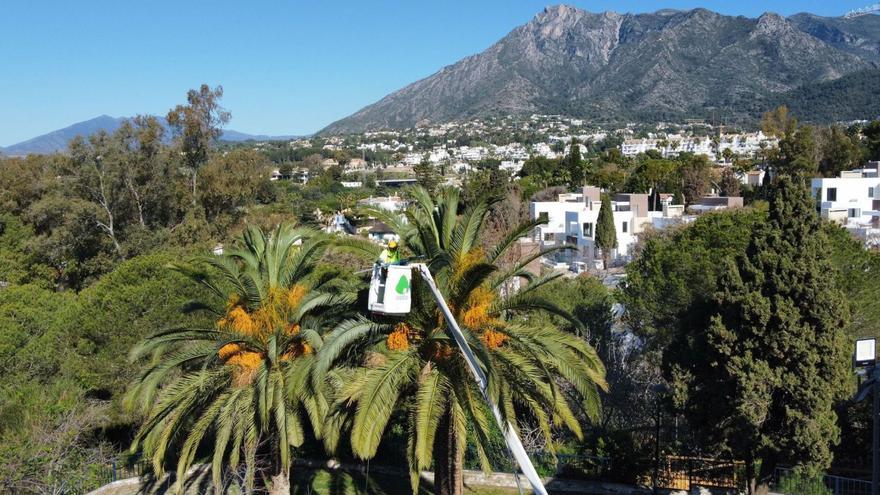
(427, 175)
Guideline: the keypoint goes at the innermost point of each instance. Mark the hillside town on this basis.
(456, 151)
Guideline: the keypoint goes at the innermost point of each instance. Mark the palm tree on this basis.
(413, 364)
(242, 387)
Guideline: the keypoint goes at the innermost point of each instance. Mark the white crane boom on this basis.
(510, 436)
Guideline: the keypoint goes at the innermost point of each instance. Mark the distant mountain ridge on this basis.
(57, 140)
(664, 65)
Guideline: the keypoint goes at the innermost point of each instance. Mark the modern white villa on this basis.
(853, 200)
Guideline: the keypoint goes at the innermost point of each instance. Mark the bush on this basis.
(798, 483)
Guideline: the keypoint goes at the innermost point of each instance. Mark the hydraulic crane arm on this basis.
(510, 436)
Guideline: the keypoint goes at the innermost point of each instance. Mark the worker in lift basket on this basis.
(391, 254)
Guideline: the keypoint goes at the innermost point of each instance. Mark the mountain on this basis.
(235, 137)
(57, 140)
(611, 67)
(851, 97)
(857, 35)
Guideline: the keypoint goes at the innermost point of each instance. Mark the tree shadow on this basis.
(353, 482)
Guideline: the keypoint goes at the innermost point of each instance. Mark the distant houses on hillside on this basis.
(739, 144)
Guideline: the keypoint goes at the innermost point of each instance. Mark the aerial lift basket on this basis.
(390, 292)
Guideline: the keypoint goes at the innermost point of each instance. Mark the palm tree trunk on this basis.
(448, 459)
(281, 483)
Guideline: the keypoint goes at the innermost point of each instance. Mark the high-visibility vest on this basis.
(389, 256)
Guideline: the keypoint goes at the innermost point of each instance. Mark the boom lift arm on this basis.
(510, 436)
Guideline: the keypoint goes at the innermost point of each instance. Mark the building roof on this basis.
(380, 228)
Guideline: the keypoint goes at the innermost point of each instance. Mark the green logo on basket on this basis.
(402, 285)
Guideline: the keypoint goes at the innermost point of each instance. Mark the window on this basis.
(854, 212)
(624, 227)
(549, 237)
(831, 194)
(870, 192)
(588, 229)
(543, 217)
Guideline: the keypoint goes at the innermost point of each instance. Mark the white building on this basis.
(740, 144)
(753, 178)
(413, 158)
(853, 200)
(543, 149)
(472, 154)
(511, 166)
(390, 203)
(438, 155)
(513, 151)
(572, 218)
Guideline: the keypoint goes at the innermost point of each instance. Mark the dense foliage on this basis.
(760, 377)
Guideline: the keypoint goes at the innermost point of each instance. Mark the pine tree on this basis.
(729, 184)
(606, 235)
(761, 378)
(427, 175)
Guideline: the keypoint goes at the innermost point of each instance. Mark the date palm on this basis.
(241, 389)
(536, 372)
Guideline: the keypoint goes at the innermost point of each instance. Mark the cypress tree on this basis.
(760, 379)
(654, 203)
(678, 198)
(606, 235)
(575, 164)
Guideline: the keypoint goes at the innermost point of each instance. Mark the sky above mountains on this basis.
(287, 67)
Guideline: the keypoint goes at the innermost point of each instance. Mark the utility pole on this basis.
(875, 471)
(658, 389)
(865, 364)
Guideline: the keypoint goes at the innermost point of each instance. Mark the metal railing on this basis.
(684, 473)
(787, 481)
(119, 469)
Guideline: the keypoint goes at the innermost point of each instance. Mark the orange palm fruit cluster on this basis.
(246, 359)
(439, 351)
(476, 313)
(239, 320)
(296, 350)
(467, 260)
(275, 311)
(493, 339)
(295, 295)
(399, 339)
(228, 351)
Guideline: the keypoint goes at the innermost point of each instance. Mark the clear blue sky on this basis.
(288, 67)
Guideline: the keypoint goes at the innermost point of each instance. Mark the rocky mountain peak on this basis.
(771, 22)
(554, 21)
(607, 65)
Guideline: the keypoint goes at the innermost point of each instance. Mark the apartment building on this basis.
(740, 144)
